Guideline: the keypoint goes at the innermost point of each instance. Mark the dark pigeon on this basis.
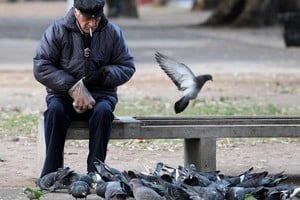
(81, 177)
(108, 173)
(239, 193)
(183, 78)
(212, 192)
(112, 190)
(55, 180)
(158, 168)
(79, 189)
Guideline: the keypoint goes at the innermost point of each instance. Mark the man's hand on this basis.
(94, 78)
(83, 100)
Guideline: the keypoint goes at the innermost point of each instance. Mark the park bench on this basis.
(199, 132)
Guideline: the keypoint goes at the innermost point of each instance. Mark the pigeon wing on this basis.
(179, 73)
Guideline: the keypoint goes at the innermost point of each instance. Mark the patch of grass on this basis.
(17, 124)
(157, 106)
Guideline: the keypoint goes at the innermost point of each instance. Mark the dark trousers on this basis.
(57, 119)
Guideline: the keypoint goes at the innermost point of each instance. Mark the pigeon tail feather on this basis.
(181, 104)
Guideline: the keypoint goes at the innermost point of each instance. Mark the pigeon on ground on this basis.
(183, 78)
(33, 193)
(281, 191)
(158, 168)
(239, 193)
(112, 190)
(141, 192)
(171, 191)
(89, 179)
(254, 181)
(212, 192)
(79, 189)
(55, 180)
(108, 173)
(296, 194)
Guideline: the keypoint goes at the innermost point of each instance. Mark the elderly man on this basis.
(81, 60)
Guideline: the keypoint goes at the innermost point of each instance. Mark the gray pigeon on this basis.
(141, 192)
(55, 180)
(296, 194)
(239, 193)
(112, 190)
(79, 189)
(82, 177)
(183, 78)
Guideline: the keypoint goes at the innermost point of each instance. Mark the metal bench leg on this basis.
(41, 148)
(201, 152)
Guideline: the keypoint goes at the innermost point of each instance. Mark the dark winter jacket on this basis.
(59, 61)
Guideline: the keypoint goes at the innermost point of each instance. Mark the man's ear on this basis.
(76, 13)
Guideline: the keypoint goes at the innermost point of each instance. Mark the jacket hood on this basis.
(69, 21)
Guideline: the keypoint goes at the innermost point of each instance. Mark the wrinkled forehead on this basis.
(88, 15)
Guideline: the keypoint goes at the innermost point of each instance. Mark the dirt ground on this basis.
(19, 168)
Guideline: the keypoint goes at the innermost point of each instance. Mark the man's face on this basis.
(86, 23)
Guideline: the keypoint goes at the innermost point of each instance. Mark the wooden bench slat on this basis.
(221, 131)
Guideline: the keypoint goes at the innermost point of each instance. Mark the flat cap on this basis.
(90, 8)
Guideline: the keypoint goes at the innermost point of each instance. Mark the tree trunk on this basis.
(204, 4)
(250, 12)
(125, 8)
(198, 5)
(160, 2)
(129, 8)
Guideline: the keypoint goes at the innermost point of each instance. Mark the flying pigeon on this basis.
(183, 78)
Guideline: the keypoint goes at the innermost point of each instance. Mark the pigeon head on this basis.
(208, 77)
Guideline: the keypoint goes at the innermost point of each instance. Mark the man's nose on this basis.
(92, 22)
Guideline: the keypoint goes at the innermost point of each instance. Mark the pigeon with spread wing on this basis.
(184, 79)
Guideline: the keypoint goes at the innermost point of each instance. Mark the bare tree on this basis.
(250, 12)
(160, 2)
(125, 8)
(204, 4)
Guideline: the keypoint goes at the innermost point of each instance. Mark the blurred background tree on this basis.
(245, 12)
(224, 12)
(124, 8)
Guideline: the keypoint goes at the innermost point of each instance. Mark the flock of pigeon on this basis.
(168, 183)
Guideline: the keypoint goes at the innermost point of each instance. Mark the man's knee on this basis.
(103, 109)
(55, 108)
